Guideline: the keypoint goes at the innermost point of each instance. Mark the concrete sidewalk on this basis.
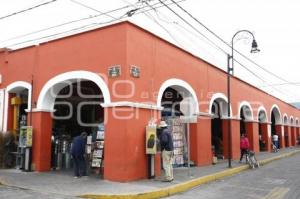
(92, 187)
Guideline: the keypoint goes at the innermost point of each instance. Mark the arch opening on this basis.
(219, 110)
(17, 103)
(245, 115)
(275, 126)
(77, 108)
(263, 134)
(172, 101)
(74, 100)
(286, 130)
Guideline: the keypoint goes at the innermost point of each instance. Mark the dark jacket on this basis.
(166, 140)
(78, 146)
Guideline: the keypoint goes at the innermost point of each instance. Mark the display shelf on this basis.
(98, 152)
(178, 133)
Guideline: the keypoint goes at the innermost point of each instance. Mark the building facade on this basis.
(131, 76)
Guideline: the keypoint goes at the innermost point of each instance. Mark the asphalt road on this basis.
(279, 179)
(16, 193)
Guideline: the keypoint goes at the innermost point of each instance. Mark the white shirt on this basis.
(275, 137)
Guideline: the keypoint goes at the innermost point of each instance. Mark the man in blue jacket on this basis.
(78, 152)
(166, 142)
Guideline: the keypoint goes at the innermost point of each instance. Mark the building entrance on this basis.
(77, 109)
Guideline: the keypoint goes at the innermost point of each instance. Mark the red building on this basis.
(135, 76)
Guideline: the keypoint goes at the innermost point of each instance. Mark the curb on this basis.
(269, 160)
(175, 189)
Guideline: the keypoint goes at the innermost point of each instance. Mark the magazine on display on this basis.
(100, 135)
(98, 153)
(96, 162)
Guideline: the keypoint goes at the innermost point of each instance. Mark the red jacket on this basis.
(244, 143)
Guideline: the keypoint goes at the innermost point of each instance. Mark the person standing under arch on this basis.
(78, 153)
(166, 142)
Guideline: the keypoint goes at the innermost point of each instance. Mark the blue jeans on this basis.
(79, 165)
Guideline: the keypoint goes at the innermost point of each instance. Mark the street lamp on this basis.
(254, 49)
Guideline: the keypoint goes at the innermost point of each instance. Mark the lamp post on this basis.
(254, 49)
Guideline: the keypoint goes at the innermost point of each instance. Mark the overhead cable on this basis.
(91, 8)
(27, 9)
(91, 25)
(217, 36)
(215, 45)
(63, 24)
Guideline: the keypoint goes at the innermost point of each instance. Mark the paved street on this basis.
(13, 193)
(280, 179)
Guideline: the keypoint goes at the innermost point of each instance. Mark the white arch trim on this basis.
(247, 104)
(275, 106)
(215, 97)
(285, 119)
(19, 84)
(180, 83)
(260, 109)
(15, 87)
(46, 101)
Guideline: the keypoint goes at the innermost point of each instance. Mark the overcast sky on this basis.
(275, 24)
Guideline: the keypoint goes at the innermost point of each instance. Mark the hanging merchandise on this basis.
(98, 152)
(179, 141)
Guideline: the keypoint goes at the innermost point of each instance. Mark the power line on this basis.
(282, 84)
(206, 40)
(130, 13)
(244, 56)
(155, 21)
(91, 25)
(216, 46)
(86, 6)
(68, 31)
(195, 29)
(63, 24)
(27, 9)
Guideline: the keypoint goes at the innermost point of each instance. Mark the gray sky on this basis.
(273, 22)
